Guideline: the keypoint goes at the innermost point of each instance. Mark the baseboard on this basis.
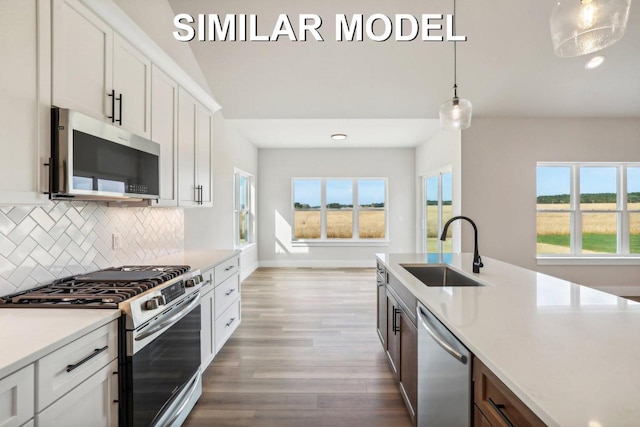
(247, 271)
(320, 264)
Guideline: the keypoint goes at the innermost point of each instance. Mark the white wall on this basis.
(212, 228)
(278, 166)
(499, 158)
(442, 150)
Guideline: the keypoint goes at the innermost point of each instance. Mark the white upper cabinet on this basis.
(203, 155)
(96, 72)
(82, 59)
(132, 85)
(164, 131)
(194, 152)
(25, 84)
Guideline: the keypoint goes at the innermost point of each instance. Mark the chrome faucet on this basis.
(477, 261)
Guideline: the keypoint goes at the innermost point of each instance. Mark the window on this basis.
(438, 207)
(338, 209)
(243, 210)
(588, 210)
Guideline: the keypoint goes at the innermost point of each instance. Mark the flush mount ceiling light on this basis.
(455, 114)
(594, 62)
(581, 27)
(338, 136)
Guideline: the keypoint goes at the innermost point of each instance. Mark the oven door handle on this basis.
(185, 401)
(171, 320)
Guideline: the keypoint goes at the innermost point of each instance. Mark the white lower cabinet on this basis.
(77, 385)
(227, 300)
(227, 323)
(220, 307)
(207, 331)
(17, 397)
(93, 403)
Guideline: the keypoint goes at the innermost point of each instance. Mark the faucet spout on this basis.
(477, 260)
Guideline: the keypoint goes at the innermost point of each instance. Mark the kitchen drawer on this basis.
(226, 324)
(16, 397)
(497, 403)
(226, 269)
(93, 403)
(65, 368)
(227, 293)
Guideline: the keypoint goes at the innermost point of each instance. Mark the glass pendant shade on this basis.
(581, 27)
(455, 114)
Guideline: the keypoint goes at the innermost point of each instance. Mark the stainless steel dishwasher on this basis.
(444, 375)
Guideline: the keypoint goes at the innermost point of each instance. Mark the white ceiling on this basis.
(506, 68)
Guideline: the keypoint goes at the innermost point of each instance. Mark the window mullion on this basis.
(624, 228)
(576, 216)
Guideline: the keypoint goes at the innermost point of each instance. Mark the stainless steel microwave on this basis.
(93, 160)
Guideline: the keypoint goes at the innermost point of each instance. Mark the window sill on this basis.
(588, 260)
(337, 242)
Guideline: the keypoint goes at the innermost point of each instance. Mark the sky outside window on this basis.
(307, 192)
(339, 191)
(371, 191)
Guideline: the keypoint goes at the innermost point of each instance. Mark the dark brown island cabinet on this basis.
(399, 335)
(494, 404)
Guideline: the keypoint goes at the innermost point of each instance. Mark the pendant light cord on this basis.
(455, 54)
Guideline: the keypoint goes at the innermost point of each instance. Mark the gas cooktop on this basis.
(101, 289)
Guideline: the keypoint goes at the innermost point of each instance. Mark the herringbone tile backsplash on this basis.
(40, 244)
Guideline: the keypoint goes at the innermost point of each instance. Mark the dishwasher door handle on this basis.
(427, 325)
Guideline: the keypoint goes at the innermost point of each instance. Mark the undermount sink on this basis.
(439, 275)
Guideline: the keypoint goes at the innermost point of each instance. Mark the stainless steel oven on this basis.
(160, 373)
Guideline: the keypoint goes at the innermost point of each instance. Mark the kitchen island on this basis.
(569, 352)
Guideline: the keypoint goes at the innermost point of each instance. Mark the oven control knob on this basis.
(190, 283)
(161, 300)
(152, 304)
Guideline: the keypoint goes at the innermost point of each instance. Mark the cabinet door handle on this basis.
(120, 105)
(394, 323)
(498, 407)
(230, 292)
(96, 352)
(230, 321)
(229, 268)
(113, 105)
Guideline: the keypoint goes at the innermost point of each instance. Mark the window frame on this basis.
(355, 240)
(576, 256)
(249, 209)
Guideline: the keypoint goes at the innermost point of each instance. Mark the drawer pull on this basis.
(208, 282)
(96, 352)
(230, 321)
(498, 407)
(229, 268)
(230, 292)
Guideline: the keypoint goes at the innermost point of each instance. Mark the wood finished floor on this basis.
(306, 354)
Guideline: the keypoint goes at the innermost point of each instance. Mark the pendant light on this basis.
(455, 114)
(581, 27)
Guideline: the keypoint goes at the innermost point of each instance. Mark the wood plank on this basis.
(306, 354)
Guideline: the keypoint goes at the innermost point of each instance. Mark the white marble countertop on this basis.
(27, 334)
(202, 259)
(569, 352)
